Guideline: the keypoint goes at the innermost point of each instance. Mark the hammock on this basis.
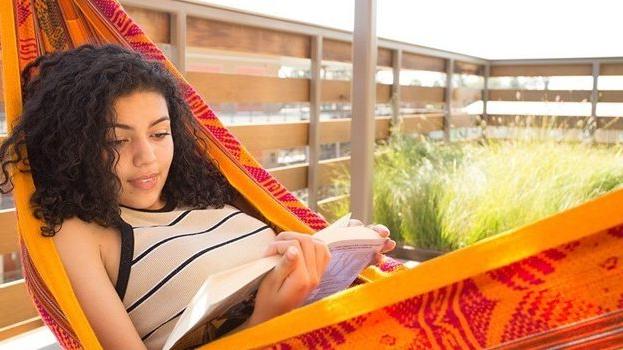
(553, 283)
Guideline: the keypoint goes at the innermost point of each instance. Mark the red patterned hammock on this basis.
(557, 283)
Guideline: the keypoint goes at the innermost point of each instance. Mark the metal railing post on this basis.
(447, 120)
(315, 85)
(363, 101)
(592, 127)
(395, 100)
(485, 101)
(178, 39)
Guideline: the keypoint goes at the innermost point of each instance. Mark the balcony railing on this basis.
(254, 66)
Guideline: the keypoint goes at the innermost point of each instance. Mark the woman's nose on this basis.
(144, 153)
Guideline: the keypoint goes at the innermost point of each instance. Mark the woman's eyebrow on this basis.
(127, 127)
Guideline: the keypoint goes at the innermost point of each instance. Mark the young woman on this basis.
(138, 213)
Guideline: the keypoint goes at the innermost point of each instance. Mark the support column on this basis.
(314, 123)
(363, 101)
(178, 39)
(396, 64)
(592, 126)
(448, 112)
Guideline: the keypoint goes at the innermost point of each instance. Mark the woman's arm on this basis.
(79, 251)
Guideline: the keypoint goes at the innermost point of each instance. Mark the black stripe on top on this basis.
(127, 251)
(162, 324)
(156, 245)
(185, 263)
(178, 219)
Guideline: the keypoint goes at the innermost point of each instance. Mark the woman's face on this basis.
(142, 136)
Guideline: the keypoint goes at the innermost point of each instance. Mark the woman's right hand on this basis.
(303, 262)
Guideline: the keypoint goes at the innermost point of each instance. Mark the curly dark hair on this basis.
(68, 112)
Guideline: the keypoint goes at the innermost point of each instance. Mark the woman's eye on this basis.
(118, 142)
(161, 134)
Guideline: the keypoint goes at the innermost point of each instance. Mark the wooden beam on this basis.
(610, 96)
(462, 97)
(420, 62)
(220, 88)
(531, 70)
(20, 328)
(611, 69)
(331, 131)
(539, 95)
(422, 123)
(155, 24)
(294, 177)
(538, 121)
(468, 68)
(422, 94)
(237, 37)
(14, 297)
(340, 91)
(342, 51)
(9, 238)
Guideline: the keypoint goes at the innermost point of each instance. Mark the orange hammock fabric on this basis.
(554, 283)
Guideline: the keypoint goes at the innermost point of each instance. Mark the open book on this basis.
(352, 249)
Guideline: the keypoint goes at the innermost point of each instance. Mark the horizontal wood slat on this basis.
(531, 70)
(422, 123)
(339, 91)
(236, 37)
(221, 88)
(20, 327)
(540, 95)
(420, 62)
(468, 68)
(334, 130)
(462, 121)
(610, 96)
(422, 94)
(14, 297)
(537, 121)
(156, 24)
(342, 51)
(611, 69)
(9, 241)
(464, 96)
(233, 88)
(609, 123)
(294, 177)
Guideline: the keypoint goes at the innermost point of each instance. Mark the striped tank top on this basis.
(167, 254)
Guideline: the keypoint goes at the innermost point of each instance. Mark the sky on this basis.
(487, 29)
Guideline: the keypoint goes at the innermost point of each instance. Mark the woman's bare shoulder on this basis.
(103, 243)
(79, 246)
(77, 233)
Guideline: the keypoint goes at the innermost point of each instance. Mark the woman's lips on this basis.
(144, 182)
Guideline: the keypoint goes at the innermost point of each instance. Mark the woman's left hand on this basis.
(383, 231)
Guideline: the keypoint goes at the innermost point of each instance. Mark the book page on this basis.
(348, 259)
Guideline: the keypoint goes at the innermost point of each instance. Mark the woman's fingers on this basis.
(390, 244)
(323, 257)
(309, 251)
(382, 230)
(280, 247)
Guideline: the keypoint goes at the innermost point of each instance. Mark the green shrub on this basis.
(446, 196)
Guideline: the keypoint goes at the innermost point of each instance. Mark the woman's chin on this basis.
(147, 204)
